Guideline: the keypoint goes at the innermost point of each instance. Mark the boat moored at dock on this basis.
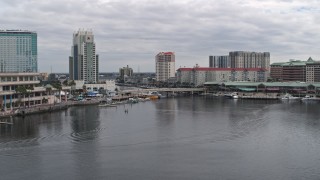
(310, 98)
(290, 97)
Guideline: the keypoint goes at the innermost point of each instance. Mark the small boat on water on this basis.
(233, 95)
(310, 98)
(133, 100)
(290, 97)
(153, 95)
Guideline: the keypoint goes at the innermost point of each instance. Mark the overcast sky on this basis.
(133, 32)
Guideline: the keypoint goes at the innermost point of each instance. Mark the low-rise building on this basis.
(109, 85)
(296, 70)
(23, 89)
(276, 71)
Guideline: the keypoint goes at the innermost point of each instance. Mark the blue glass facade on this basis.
(18, 51)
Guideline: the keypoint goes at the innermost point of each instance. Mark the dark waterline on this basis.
(174, 138)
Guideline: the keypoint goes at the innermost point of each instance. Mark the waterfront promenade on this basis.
(22, 111)
(164, 90)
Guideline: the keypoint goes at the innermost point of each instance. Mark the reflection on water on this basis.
(172, 138)
(85, 123)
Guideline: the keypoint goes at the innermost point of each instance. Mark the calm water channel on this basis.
(174, 138)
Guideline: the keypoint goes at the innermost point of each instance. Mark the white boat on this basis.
(310, 98)
(290, 97)
(233, 95)
(133, 100)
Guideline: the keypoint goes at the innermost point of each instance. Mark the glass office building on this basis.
(18, 51)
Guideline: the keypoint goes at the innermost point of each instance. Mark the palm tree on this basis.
(21, 90)
(65, 82)
(58, 86)
(48, 90)
(72, 84)
(29, 90)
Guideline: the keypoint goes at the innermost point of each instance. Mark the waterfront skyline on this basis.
(131, 32)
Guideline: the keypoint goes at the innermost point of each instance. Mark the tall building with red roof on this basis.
(165, 66)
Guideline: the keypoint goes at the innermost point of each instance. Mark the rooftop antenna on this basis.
(138, 69)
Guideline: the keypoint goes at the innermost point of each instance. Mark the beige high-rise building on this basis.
(244, 59)
(125, 72)
(165, 66)
(84, 62)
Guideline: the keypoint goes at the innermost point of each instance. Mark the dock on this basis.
(259, 96)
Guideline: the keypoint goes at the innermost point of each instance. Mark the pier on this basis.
(162, 91)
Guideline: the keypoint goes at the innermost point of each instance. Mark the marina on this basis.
(137, 95)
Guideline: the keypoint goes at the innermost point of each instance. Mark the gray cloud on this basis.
(132, 32)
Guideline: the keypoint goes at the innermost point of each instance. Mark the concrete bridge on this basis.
(163, 90)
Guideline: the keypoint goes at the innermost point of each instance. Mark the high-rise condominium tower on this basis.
(165, 66)
(83, 62)
(244, 59)
(18, 51)
(219, 61)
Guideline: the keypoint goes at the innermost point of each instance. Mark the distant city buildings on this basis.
(18, 51)
(83, 62)
(237, 66)
(125, 72)
(296, 70)
(165, 66)
(199, 75)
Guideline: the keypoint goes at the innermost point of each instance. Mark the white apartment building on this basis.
(199, 75)
(165, 66)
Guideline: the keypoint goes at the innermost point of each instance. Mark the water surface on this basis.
(173, 138)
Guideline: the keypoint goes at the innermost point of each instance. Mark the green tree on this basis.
(22, 91)
(73, 86)
(65, 82)
(58, 86)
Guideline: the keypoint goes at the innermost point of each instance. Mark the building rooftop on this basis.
(295, 63)
(220, 69)
(166, 53)
(16, 32)
(268, 84)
